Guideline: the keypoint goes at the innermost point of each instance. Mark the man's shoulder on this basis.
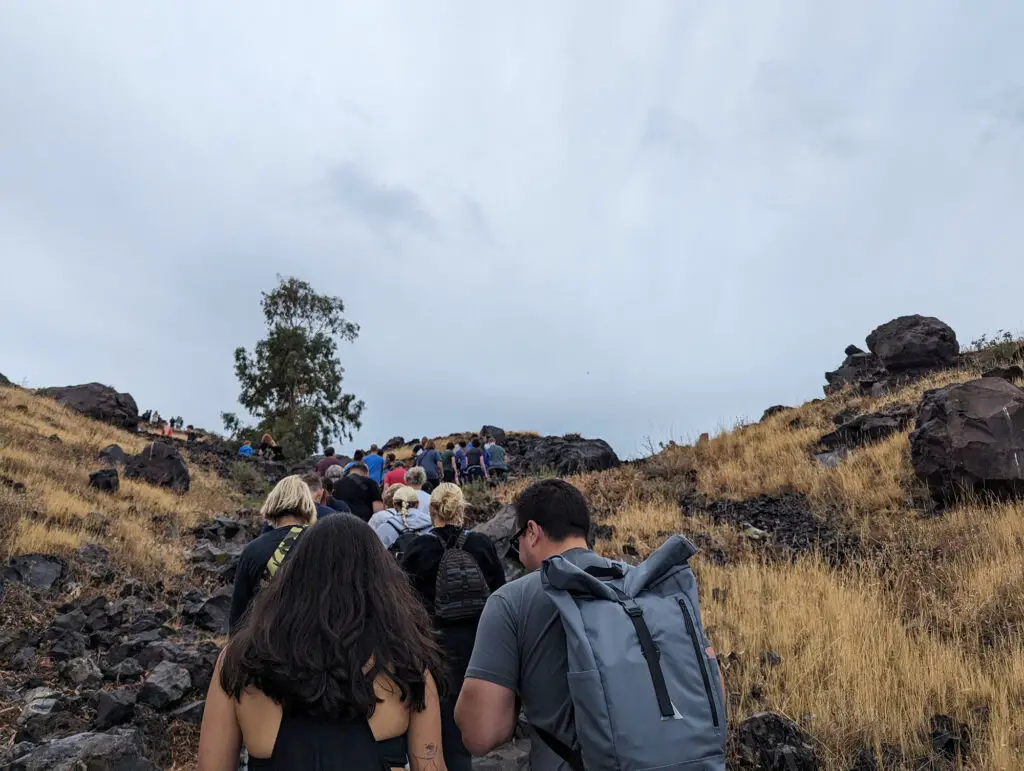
(521, 593)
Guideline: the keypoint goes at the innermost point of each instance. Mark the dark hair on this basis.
(328, 452)
(358, 455)
(451, 446)
(391, 457)
(558, 507)
(305, 644)
(417, 448)
(476, 443)
(313, 482)
(462, 443)
(359, 466)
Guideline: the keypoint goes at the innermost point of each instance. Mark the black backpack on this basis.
(461, 590)
(406, 535)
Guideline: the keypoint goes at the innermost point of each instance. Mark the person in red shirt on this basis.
(327, 461)
(396, 476)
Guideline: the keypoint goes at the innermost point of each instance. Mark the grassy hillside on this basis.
(51, 452)
(924, 616)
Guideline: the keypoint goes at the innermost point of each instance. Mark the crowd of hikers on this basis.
(370, 629)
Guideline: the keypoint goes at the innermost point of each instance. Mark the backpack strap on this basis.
(281, 552)
(461, 543)
(573, 757)
(394, 526)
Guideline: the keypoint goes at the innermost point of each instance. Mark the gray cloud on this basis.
(583, 216)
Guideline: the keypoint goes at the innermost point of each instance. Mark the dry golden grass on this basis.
(59, 511)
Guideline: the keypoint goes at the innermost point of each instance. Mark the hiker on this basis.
(578, 619)
(246, 449)
(321, 497)
(334, 473)
(475, 466)
(430, 461)
(357, 457)
(360, 492)
(416, 478)
(448, 463)
(327, 461)
(454, 595)
(289, 509)
(191, 433)
(396, 476)
(375, 463)
(269, 448)
(405, 518)
(144, 417)
(324, 679)
(460, 460)
(417, 451)
(497, 460)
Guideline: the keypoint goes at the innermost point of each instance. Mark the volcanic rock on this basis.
(97, 401)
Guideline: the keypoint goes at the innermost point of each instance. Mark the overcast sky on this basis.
(624, 219)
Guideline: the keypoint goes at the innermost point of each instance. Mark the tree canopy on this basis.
(292, 379)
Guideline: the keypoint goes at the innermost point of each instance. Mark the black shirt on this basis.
(359, 493)
(421, 561)
(249, 573)
(474, 457)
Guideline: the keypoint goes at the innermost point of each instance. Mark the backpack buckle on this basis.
(633, 609)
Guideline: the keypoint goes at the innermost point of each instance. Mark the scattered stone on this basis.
(112, 454)
(888, 757)
(44, 717)
(768, 741)
(159, 464)
(858, 367)
(82, 673)
(778, 409)
(630, 549)
(970, 438)
(770, 659)
(24, 659)
(68, 645)
(914, 342)
(950, 738)
(118, 750)
(114, 708)
(37, 571)
(514, 756)
(1011, 373)
(209, 613)
(165, 686)
(190, 713)
(99, 402)
(127, 671)
(832, 459)
(105, 480)
(73, 621)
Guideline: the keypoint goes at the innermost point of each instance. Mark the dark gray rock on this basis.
(832, 459)
(209, 613)
(73, 621)
(37, 571)
(500, 528)
(190, 713)
(857, 368)
(165, 686)
(105, 480)
(99, 402)
(514, 756)
(970, 438)
(914, 343)
(114, 708)
(393, 443)
(126, 671)
(767, 741)
(68, 645)
(24, 659)
(778, 409)
(112, 455)
(546, 454)
(498, 434)
(82, 673)
(1011, 373)
(868, 429)
(118, 750)
(44, 717)
(159, 464)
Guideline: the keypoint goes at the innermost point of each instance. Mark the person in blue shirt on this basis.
(245, 450)
(357, 457)
(375, 464)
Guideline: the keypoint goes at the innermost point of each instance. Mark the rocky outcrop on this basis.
(37, 571)
(561, 455)
(969, 438)
(778, 409)
(393, 443)
(1011, 373)
(500, 529)
(112, 455)
(4, 382)
(99, 402)
(767, 741)
(106, 480)
(119, 750)
(914, 342)
(498, 434)
(868, 429)
(858, 367)
(159, 464)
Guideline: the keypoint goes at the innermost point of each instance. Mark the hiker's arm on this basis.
(220, 739)
(486, 709)
(486, 715)
(425, 733)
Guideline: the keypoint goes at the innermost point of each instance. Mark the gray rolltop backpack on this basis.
(646, 693)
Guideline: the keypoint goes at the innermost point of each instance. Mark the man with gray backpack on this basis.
(610, 661)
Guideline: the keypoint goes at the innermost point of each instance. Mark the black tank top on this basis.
(315, 744)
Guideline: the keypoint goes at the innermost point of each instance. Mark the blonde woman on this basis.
(403, 517)
(416, 478)
(457, 631)
(289, 509)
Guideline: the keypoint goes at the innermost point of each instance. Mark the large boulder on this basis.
(498, 434)
(119, 750)
(393, 443)
(914, 343)
(561, 455)
(165, 686)
(38, 571)
(105, 480)
(159, 464)
(970, 438)
(500, 529)
(858, 367)
(112, 455)
(100, 402)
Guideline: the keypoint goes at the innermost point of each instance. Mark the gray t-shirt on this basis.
(520, 644)
(429, 461)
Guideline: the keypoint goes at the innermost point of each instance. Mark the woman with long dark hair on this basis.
(334, 669)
